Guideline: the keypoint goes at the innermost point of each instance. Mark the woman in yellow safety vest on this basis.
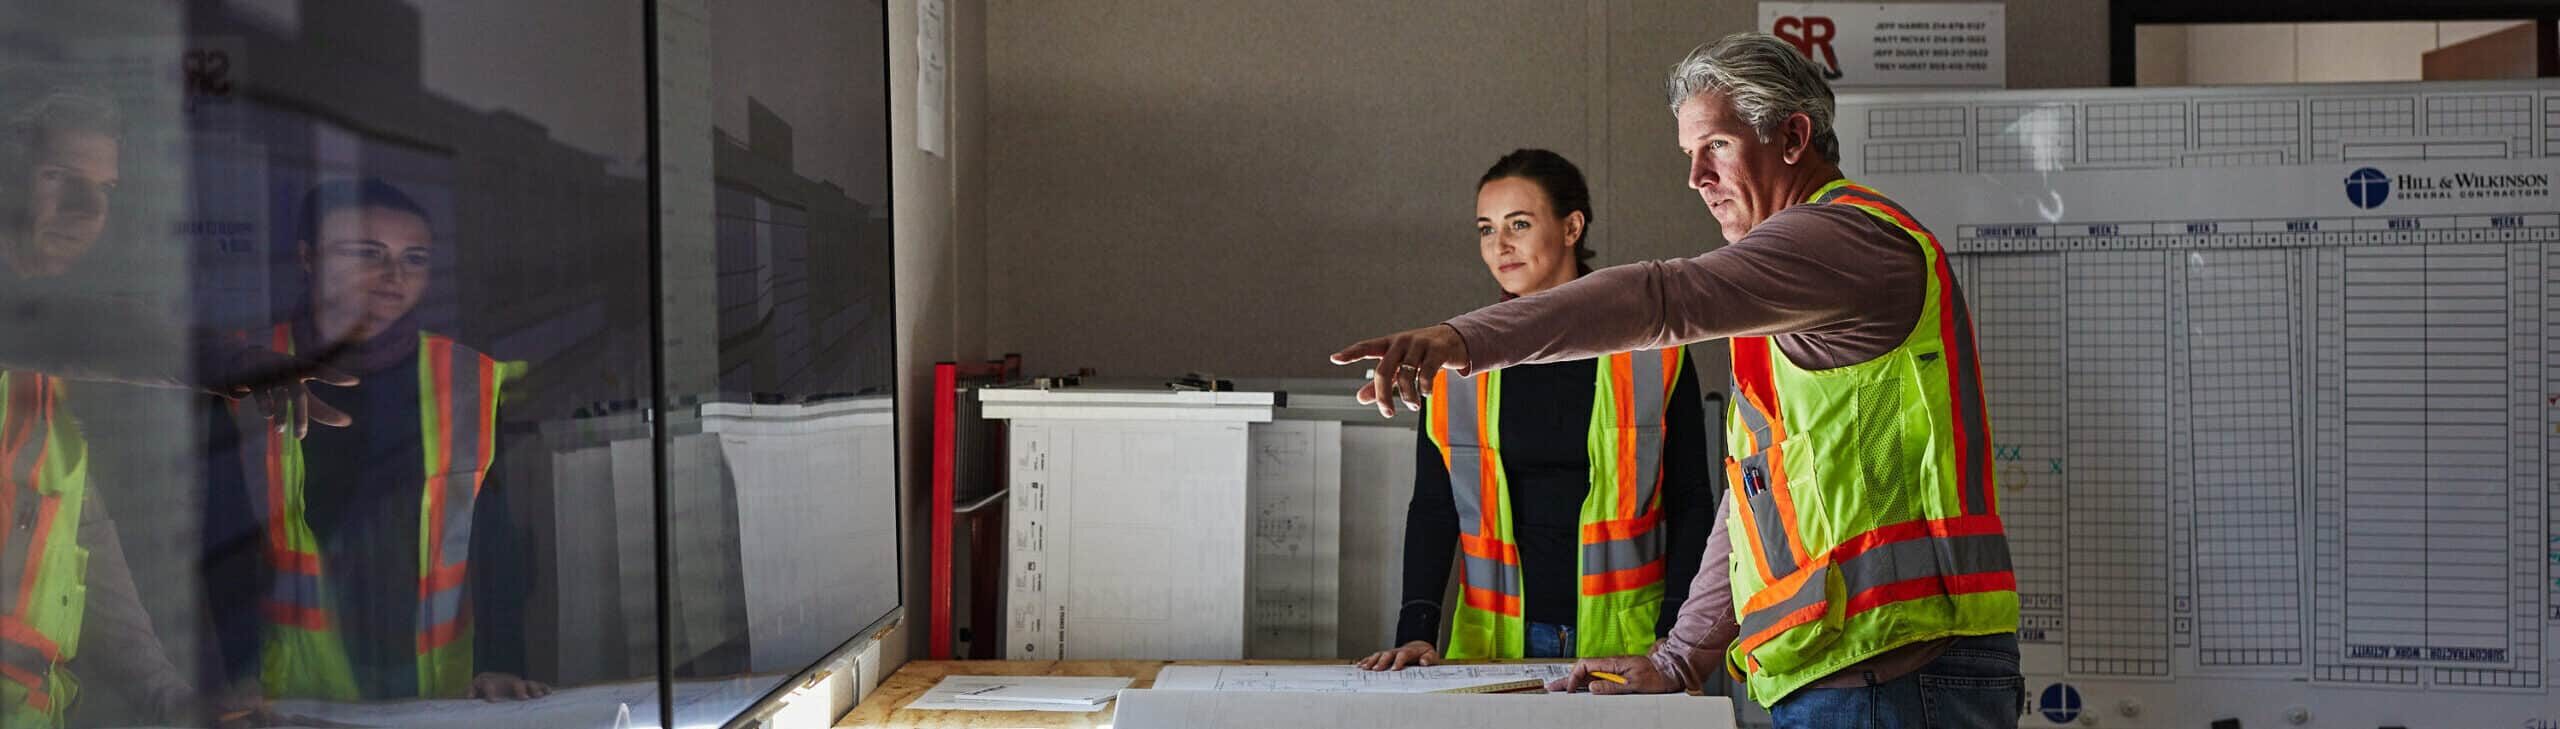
(373, 561)
(1576, 494)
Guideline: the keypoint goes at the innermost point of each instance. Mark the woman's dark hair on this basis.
(1563, 184)
(336, 195)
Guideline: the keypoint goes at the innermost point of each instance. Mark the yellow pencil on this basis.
(1609, 677)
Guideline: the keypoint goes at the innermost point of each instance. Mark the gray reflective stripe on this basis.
(1466, 473)
(440, 607)
(26, 658)
(26, 429)
(1750, 415)
(1774, 547)
(1811, 593)
(461, 474)
(1648, 398)
(1890, 563)
(1622, 554)
(1486, 574)
(296, 589)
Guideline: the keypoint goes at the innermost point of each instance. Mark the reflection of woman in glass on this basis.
(388, 565)
(1576, 492)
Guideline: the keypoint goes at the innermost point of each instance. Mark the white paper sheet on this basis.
(1377, 483)
(698, 704)
(1295, 552)
(1352, 679)
(1128, 540)
(1193, 709)
(816, 509)
(945, 695)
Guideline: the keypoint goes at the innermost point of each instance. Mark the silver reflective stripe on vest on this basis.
(1650, 398)
(1465, 464)
(461, 475)
(296, 589)
(29, 661)
(1486, 574)
(1623, 554)
(1466, 479)
(460, 480)
(28, 431)
(1912, 559)
(442, 607)
(1750, 416)
(1768, 516)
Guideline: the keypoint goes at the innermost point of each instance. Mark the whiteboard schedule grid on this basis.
(2274, 378)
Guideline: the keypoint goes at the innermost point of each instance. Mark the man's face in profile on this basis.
(68, 188)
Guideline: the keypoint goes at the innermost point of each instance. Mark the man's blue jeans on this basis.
(1549, 640)
(1974, 684)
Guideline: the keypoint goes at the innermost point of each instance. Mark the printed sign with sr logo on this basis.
(1861, 45)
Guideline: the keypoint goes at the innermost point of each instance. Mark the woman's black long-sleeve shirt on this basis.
(1545, 433)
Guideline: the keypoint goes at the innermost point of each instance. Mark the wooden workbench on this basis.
(885, 707)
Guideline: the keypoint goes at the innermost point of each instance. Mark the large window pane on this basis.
(775, 243)
(329, 379)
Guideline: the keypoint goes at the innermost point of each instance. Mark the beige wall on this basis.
(2285, 53)
(940, 245)
(1239, 186)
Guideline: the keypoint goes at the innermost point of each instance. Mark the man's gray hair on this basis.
(1765, 80)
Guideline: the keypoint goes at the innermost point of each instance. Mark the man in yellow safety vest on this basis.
(1867, 568)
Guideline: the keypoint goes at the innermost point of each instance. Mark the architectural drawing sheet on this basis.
(1126, 539)
(1352, 679)
(810, 474)
(2274, 378)
(1295, 550)
(1192, 709)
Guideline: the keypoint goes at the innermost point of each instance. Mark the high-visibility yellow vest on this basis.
(44, 583)
(1864, 515)
(304, 656)
(1620, 596)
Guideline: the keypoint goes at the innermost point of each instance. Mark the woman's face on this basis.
(368, 269)
(1524, 244)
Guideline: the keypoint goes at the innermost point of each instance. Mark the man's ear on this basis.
(1796, 132)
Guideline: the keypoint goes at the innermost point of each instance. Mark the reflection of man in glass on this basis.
(68, 604)
(387, 568)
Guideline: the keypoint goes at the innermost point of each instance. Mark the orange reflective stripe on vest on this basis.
(43, 477)
(27, 657)
(1489, 574)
